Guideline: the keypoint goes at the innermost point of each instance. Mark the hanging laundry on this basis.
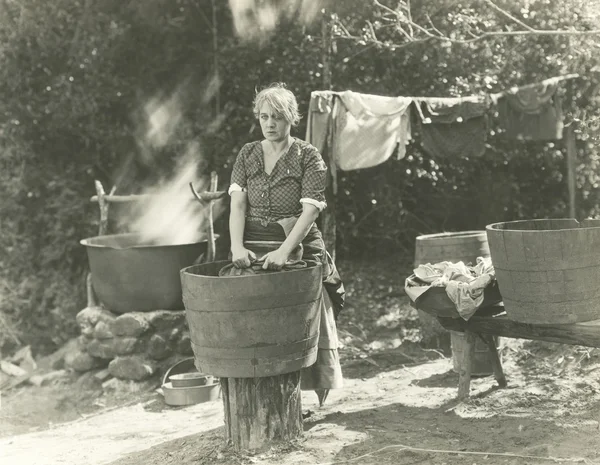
(318, 123)
(464, 284)
(532, 112)
(453, 127)
(368, 128)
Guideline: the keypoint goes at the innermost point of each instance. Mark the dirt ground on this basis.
(398, 406)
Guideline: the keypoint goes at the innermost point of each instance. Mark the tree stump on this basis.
(259, 411)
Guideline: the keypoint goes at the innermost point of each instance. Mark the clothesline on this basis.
(364, 130)
(483, 94)
(535, 84)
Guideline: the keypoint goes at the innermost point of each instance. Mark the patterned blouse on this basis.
(299, 176)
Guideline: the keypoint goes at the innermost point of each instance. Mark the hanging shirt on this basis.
(453, 127)
(368, 128)
(531, 112)
(319, 118)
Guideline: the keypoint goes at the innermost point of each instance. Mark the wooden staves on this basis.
(252, 326)
(462, 246)
(256, 333)
(548, 271)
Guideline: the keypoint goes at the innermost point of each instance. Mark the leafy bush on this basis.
(80, 79)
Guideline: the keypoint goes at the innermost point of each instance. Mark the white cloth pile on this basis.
(464, 284)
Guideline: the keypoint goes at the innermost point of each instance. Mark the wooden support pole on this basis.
(464, 372)
(103, 204)
(328, 223)
(259, 411)
(214, 179)
(571, 150)
(204, 197)
(92, 300)
(490, 341)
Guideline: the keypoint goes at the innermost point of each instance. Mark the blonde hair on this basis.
(280, 99)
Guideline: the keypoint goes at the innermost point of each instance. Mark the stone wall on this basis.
(134, 346)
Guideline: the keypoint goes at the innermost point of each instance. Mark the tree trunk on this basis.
(259, 411)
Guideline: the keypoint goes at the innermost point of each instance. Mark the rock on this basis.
(82, 361)
(102, 375)
(175, 334)
(90, 316)
(164, 320)
(102, 331)
(159, 348)
(184, 346)
(86, 383)
(83, 342)
(24, 359)
(12, 369)
(125, 386)
(110, 348)
(133, 367)
(101, 348)
(56, 360)
(127, 345)
(87, 330)
(130, 324)
(40, 380)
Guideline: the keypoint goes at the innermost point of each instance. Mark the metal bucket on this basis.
(129, 275)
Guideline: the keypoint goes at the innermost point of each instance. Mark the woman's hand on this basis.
(242, 257)
(275, 260)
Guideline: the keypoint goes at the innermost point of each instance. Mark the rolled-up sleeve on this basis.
(314, 180)
(239, 181)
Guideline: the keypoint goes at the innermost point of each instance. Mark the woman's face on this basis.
(275, 127)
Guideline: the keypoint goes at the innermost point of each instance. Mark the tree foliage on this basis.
(79, 78)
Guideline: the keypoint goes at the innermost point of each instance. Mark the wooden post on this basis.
(571, 149)
(494, 359)
(92, 300)
(328, 224)
(259, 411)
(103, 204)
(464, 372)
(210, 256)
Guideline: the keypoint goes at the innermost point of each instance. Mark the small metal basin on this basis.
(190, 379)
(178, 396)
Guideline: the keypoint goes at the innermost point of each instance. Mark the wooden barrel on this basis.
(255, 325)
(462, 246)
(548, 271)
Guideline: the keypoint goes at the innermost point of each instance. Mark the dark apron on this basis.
(314, 252)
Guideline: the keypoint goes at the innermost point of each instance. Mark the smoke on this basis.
(163, 118)
(168, 213)
(257, 19)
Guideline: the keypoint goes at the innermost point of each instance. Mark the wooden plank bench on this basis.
(492, 321)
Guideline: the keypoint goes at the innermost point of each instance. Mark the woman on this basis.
(277, 192)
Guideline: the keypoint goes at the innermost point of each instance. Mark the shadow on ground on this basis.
(391, 428)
